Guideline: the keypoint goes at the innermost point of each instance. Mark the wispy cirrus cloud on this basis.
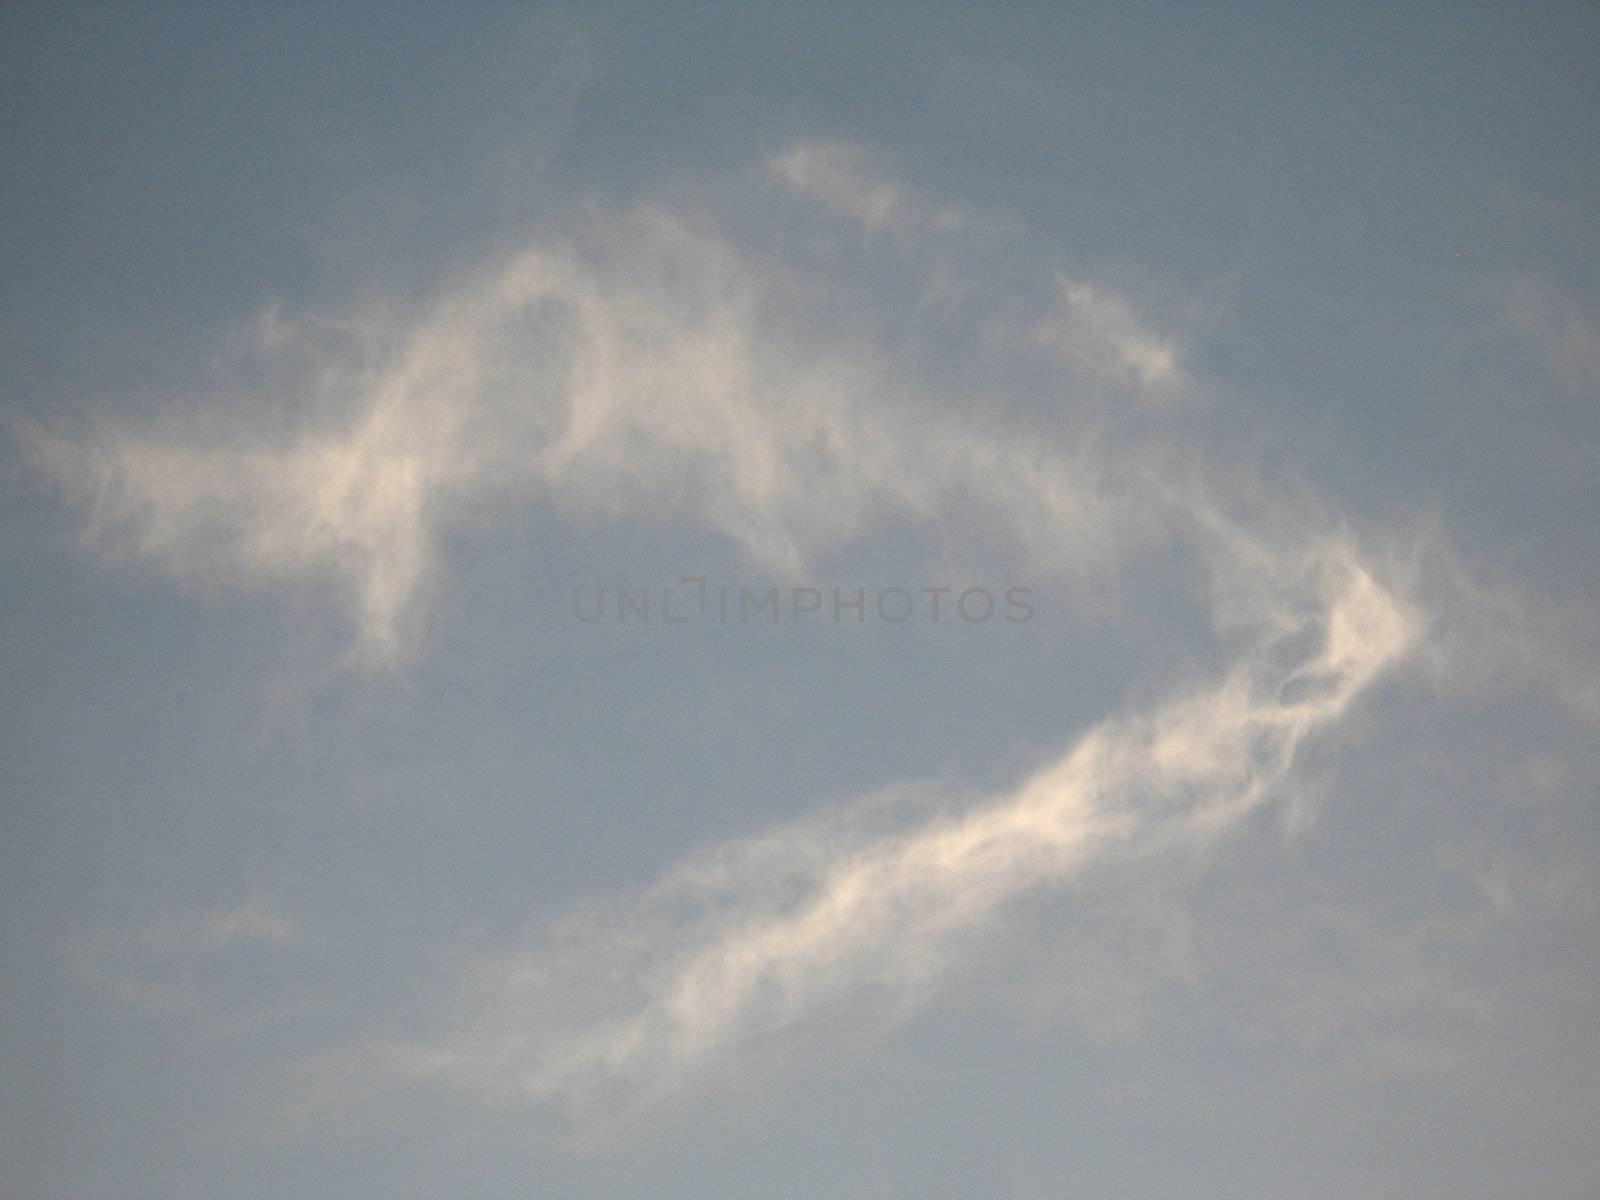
(256, 920)
(747, 939)
(643, 364)
(1565, 332)
(647, 367)
(1096, 325)
(847, 179)
(216, 967)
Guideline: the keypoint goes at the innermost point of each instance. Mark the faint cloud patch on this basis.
(847, 179)
(223, 969)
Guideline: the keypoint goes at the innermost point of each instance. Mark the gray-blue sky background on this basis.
(338, 859)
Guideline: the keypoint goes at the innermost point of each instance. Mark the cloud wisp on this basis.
(647, 367)
(749, 938)
(644, 365)
(845, 178)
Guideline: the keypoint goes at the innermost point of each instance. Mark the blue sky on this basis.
(1259, 346)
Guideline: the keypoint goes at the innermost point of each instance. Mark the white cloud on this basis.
(641, 367)
(647, 367)
(847, 179)
(184, 961)
(1566, 332)
(749, 938)
(257, 920)
(1097, 327)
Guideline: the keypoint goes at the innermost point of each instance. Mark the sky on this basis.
(719, 601)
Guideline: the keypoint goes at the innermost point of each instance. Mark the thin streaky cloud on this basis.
(847, 179)
(645, 365)
(715, 955)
